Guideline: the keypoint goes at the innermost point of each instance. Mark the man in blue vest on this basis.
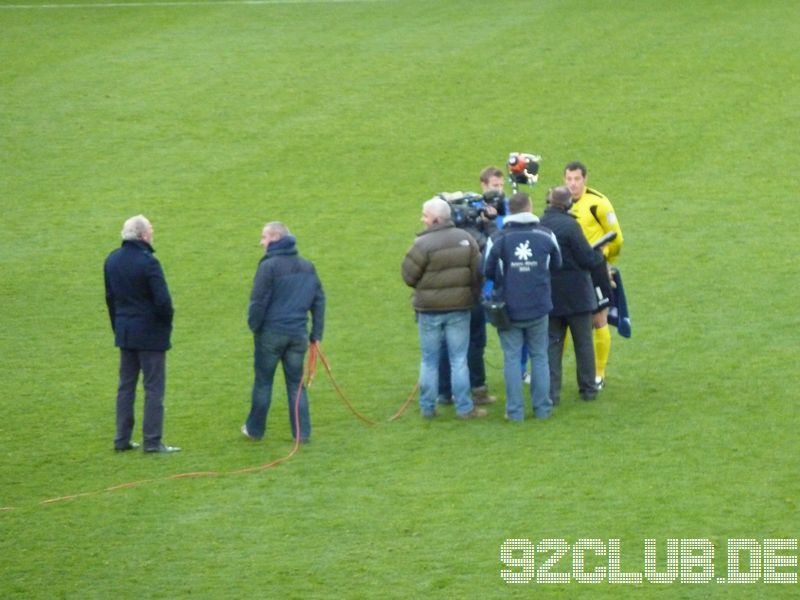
(519, 264)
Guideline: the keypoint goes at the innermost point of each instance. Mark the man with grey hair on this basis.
(285, 289)
(443, 268)
(140, 309)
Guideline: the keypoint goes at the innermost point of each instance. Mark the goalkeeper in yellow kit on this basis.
(596, 216)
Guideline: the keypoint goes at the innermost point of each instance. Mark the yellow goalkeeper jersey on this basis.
(596, 217)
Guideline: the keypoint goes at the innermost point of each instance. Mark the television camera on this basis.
(466, 208)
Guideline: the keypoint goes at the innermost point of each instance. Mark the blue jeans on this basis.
(534, 335)
(475, 351)
(435, 328)
(270, 349)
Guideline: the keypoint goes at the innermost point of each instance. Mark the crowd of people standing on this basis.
(549, 275)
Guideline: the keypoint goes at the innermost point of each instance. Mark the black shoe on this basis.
(126, 447)
(163, 448)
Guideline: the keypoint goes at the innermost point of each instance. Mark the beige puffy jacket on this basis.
(443, 267)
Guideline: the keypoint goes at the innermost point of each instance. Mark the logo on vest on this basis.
(524, 253)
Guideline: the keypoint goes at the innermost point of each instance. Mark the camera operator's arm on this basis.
(486, 223)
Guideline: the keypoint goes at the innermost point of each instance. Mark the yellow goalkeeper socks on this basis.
(602, 348)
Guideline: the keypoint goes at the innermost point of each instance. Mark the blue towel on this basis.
(618, 314)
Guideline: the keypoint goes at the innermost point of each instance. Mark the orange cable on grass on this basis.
(367, 420)
(70, 497)
(352, 408)
(195, 474)
(315, 352)
(406, 404)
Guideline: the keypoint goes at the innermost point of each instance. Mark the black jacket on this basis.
(572, 288)
(138, 300)
(481, 230)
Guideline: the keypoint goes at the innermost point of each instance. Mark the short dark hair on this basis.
(490, 172)
(576, 165)
(519, 202)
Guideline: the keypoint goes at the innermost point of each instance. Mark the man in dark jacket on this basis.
(443, 268)
(574, 300)
(285, 289)
(519, 263)
(140, 309)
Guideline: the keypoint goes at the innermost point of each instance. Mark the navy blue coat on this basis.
(573, 292)
(139, 304)
(523, 254)
(285, 288)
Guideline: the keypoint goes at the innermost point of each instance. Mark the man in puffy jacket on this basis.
(140, 309)
(443, 268)
(519, 263)
(574, 299)
(285, 289)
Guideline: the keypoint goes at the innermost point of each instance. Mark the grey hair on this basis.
(437, 208)
(277, 227)
(560, 196)
(135, 228)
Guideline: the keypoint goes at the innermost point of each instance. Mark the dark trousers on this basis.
(580, 327)
(153, 367)
(269, 350)
(475, 350)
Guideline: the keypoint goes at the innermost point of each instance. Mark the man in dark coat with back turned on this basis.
(574, 300)
(140, 309)
(520, 263)
(286, 288)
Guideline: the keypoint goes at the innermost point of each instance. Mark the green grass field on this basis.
(340, 119)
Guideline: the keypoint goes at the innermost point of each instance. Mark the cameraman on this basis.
(480, 223)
